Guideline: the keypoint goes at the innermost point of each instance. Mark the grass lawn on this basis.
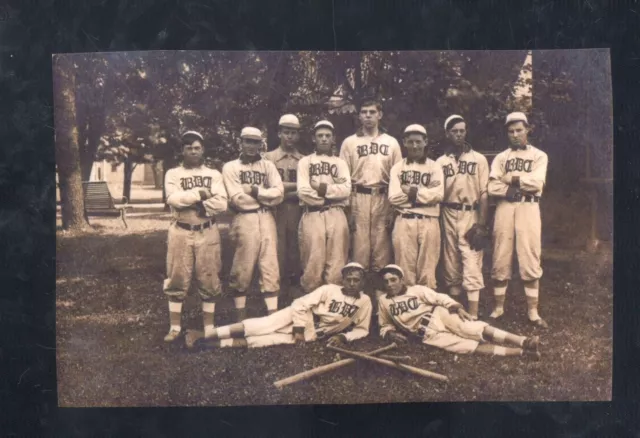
(112, 316)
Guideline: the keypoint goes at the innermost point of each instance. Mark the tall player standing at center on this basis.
(370, 154)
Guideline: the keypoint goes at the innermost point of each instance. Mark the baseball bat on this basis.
(395, 358)
(325, 368)
(400, 366)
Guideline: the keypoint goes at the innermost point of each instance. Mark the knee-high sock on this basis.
(175, 315)
(208, 312)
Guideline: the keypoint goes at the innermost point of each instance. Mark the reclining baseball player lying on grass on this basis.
(438, 320)
(343, 313)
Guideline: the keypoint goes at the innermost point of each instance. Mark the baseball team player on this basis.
(465, 203)
(324, 187)
(517, 179)
(343, 314)
(370, 153)
(195, 194)
(286, 158)
(416, 187)
(438, 320)
(254, 187)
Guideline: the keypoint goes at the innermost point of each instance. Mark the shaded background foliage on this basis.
(30, 31)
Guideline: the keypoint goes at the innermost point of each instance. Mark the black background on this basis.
(30, 31)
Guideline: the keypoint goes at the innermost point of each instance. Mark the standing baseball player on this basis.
(465, 204)
(517, 179)
(438, 320)
(286, 158)
(370, 153)
(254, 187)
(415, 190)
(324, 187)
(195, 194)
(341, 314)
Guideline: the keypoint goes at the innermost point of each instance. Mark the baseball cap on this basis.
(516, 117)
(393, 269)
(324, 124)
(352, 265)
(251, 133)
(452, 120)
(415, 128)
(289, 121)
(193, 133)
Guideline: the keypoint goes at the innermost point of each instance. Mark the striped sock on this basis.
(271, 301)
(532, 302)
(499, 350)
(499, 295)
(208, 311)
(175, 315)
(240, 303)
(473, 297)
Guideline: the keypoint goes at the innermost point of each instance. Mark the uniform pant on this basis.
(255, 240)
(324, 247)
(462, 265)
(449, 332)
(371, 243)
(275, 329)
(517, 224)
(287, 219)
(193, 254)
(416, 245)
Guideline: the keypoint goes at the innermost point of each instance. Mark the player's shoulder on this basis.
(536, 151)
(352, 139)
(230, 165)
(478, 156)
(174, 171)
(398, 165)
(271, 155)
(365, 298)
(442, 159)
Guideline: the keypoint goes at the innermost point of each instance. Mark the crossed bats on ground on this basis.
(383, 359)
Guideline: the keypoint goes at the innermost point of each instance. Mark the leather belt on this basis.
(370, 190)
(526, 198)
(198, 227)
(460, 207)
(321, 208)
(257, 210)
(424, 323)
(415, 216)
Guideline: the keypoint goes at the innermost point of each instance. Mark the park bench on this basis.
(98, 202)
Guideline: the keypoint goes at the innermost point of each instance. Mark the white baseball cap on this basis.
(415, 128)
(251, 133)
(454, 117)
(194, 133)
(394, 269)
(516, 117)
(352, 265)
(289, 121)
(324, 124)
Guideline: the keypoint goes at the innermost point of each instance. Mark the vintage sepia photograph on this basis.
(283, 228)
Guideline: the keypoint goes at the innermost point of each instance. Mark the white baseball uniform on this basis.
(518, 221)
(189, 251)
(420, 311)
(416, 232)
(323, 230)
(465, 180)
(319, 315)
(253, 230)
(370, 160)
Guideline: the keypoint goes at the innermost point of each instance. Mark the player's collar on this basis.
(360, 131)
(199, 166)
(419, 161)
(348, 295)
(402, 292)
(248, 160)
(328, 154)
(520, 148)
(281, 153)
(453, 151)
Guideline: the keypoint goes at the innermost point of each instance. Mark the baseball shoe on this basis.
(531, 343)
(531, 355)
(496, 315)
(540, 323)
(191, 338)
(172, 335)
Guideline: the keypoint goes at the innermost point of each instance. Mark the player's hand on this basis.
(205, 194)
(464, 315)
(246, 188)
(339, 180)
(397, 337)
(314, 185)
(299, 339)
(405, 188)
(337, 340)
(433, 184)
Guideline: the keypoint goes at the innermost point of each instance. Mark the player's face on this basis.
(323, 139)
(193, 153)
(352, 282)
(518, 133)
(251, 147)
(392, 283)
(289, 137)
(457, 133)
(415, 144)
(370, 116)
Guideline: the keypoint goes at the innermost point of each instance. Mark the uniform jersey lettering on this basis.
(448, 170)
(468, 167)
(343, 308)
(293, 175)
(401, 307)
(323, 168)
(252, 177)
(518, 164)
(190, 182)
(372, 149)
(415, 177)
(281, 172)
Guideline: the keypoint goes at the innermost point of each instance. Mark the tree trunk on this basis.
(128, 172)
(67, 148)
(158, 174)
(169, 162)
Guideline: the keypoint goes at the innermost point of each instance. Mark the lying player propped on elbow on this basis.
(438, 320)
(343, 314)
